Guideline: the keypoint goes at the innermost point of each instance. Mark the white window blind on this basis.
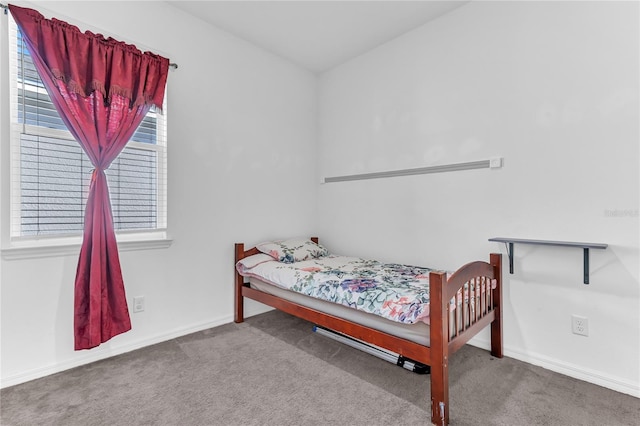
(50, 172)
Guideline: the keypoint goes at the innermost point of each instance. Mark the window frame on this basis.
(34, 246)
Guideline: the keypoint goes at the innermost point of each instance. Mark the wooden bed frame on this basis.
(487, 310)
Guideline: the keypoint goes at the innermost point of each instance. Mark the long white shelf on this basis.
(493, 163)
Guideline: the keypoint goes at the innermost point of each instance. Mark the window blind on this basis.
(50, 172)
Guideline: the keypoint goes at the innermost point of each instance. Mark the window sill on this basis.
(71, 247)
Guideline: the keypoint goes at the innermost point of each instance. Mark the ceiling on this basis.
(317, 35)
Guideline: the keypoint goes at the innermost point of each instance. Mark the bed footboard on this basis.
(462, 305)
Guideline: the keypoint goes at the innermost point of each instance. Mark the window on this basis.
(50, 172)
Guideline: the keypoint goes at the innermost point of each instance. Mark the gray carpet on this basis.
(272, 370)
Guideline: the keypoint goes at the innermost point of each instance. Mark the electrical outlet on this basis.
(580, 325)
(138, 304)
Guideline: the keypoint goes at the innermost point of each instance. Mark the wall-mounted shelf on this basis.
(509, 242)
(492, 163)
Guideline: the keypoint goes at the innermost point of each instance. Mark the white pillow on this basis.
(251, 261)
(293, 250)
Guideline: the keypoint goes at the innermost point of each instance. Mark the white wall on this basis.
(552, 88)
(242, 127)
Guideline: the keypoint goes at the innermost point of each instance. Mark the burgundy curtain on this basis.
(102, 89)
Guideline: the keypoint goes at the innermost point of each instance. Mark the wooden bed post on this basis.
(439, 337)
(239, 281)
(496, 324)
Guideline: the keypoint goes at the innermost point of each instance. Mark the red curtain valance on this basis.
(88, 62)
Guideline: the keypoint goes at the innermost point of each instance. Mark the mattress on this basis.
(418, 332)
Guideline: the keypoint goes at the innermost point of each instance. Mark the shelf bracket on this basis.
(509, 247)
(586, 264)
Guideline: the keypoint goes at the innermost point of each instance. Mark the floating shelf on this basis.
(509, 242)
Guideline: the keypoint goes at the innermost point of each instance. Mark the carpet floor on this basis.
(273, 370)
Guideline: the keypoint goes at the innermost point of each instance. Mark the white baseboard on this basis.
(585, 374)
(591, 376)
(89, 356)
(256, 309)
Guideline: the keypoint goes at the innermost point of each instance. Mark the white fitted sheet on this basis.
(418, 332)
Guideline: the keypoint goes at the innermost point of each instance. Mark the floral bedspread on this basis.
(396, 292)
